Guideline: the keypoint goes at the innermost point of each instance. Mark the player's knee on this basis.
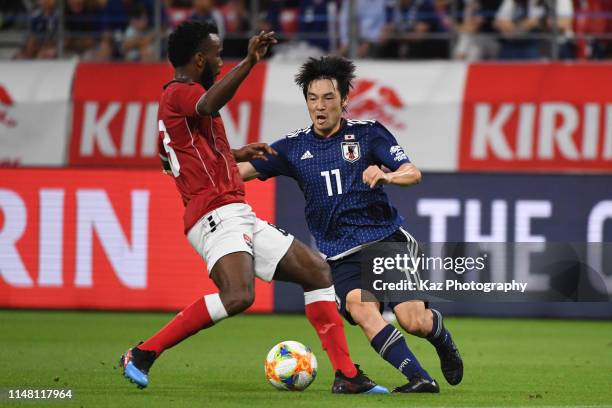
(363, 313)
(238, 300)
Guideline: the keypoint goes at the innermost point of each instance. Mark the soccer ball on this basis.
(290, 365)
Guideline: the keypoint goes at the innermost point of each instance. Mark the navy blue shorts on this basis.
(346, 273)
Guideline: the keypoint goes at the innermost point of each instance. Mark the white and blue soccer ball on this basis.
(290, 365)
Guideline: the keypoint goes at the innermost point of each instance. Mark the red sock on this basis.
(328, 324)
(199, 315)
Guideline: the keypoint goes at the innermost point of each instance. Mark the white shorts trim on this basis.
(235, 228)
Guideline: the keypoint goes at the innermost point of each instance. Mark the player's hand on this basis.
(167, 172)
(254, 151)
(259, 45)
(374, 176)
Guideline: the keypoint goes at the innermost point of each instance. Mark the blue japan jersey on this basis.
(342, 212)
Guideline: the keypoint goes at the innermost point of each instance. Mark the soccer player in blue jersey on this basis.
(337, 164)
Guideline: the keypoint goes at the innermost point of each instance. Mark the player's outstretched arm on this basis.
(406, 175)
(221, 92)
(247, 171)
(253, 151)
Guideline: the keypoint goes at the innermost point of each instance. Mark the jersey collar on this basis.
(340, 130)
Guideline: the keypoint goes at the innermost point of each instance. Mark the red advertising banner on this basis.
(543, 117)
(114, 119)
(103, 239)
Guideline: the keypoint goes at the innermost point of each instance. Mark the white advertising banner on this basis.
(34, 109)
(420, 103)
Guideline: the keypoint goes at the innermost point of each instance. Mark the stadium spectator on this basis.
(82, 24)
(116, 13)
(235, 16)
(237, 25)
(204, 11)
(416, 18)
(522, 23)
(41, 41)
(306, 26)
(476, 33)
(115, 17)
(278, 16)
(314, 21)
(11, 12)
(593, 20)
(371, 18)
(138, 39)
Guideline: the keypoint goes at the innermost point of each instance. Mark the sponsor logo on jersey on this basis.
(372, 99)
(350, 151)
(349, 137)
(306, 155)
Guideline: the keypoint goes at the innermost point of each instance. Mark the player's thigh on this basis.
(356, 306)
(303, 266)
(406, 244)
(224, 239)
(270, 245)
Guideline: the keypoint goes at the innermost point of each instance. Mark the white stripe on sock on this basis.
(320, 295)
(396, 335)
(215, 307)
(439, 328)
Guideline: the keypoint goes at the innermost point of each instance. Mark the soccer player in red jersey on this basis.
(236, 245)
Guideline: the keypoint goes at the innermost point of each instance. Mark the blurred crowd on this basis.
(134, 30)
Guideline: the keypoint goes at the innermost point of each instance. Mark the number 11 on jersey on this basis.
(326, 174)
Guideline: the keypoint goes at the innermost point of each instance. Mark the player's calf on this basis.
(302, 266)
(385, 338)
(414, 318)
(365, 313)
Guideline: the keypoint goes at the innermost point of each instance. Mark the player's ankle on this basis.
(349, 372)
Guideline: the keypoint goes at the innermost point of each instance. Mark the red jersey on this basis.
(196, 146)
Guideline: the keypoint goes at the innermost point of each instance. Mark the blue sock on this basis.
(390, 344)
(439, 336)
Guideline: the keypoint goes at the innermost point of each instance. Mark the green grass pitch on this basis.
(508, 362)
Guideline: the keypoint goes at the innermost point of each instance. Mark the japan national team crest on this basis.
(350, 151)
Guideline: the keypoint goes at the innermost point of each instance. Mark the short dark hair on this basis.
(327, 67)
(186, 40)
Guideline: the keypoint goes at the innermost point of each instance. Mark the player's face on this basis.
(211, 61)
(325, 106)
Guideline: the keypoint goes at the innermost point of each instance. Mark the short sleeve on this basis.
(275, 165)
(185, 99)
(385, 149)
